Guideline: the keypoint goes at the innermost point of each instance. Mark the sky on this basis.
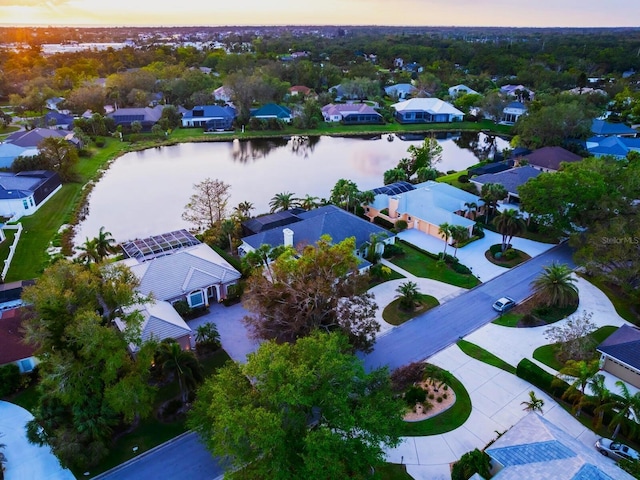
(502, 13)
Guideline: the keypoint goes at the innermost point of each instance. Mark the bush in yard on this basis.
(510, 254)
(10, 379)
(415, 395)
(392, 250)
(470, 463)
(182, 307)
(404, 377)
(401, 225)
(459, 268)
(463, 178)
(532, 373)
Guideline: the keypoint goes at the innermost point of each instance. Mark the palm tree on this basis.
(578, 373)
(445, 232)
(309, 202)
(472, 208)
(459, 234)
(600, 396)
(367, 197)
(555, 286)
(229, 227)
(89, 252)
(105, 244)
(408, 292)
(623, 406)
(509, 223)
(534, 404)
(182, 364)
(372, 246)
(243, 210)
(207, 335)
(282, 201)
(491, 193)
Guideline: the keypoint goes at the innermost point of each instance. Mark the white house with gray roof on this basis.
(510, 179)
(424, 206)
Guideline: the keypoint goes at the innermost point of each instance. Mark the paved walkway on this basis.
(25, 460)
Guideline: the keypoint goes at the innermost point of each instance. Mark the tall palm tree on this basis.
(534, 404)
(600, 396)
(105, 244)
(577, 374)
(243, 210)
(88, 252)
(282, 201)
(509, 223)
(408, 292)
(182, 364)
(309, 202)
(472, 208)
(555, 286)
(229, 227)
(367, 197)
(622, 406)
(445, 232)
(459, 234)
(491, 193)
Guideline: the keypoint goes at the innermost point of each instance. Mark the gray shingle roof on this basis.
(602, 127)
(623, 345)
(551, 157)
(511, 179)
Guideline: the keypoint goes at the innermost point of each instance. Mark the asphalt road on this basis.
(183, 457)
(442, 326)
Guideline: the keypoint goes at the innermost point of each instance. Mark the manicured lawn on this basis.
(509, 319)
(4, 246)
(446, 421)
(479, 353)
(394, 275)
(539, 315)
(504, 262)
(547, 353)
(424, 266)
(395, 315)
(27, 398)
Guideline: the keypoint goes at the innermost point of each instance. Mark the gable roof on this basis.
(272, 110)
(344, 109)
(59, 118)
(516, 106)
(456, 89)
(551, 157)
(536, 448)
(210, 111)
(612, 145)
(511, 179)
(432, 105)
(300, 89)
(159, 321)
(400, 88)
(623, 345)
(12, 347)
(328, 220)
(174, 275)
(22, 184)
(143, 115)
(32, 138)
(602, 127)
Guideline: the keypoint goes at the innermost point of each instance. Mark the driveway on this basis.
(25, 460)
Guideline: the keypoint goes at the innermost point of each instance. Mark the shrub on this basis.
(172, 407)
(401, 225)
(439, 399)
(510, 254)
(532, 373)
(471, 463)
(445, 388)
(182, 307)
(459, 268)
(415, 395)
(431, 396)
(9, 379)
(383, 223)
(100, 142)
(463, 178)
(392, 250)
(405, 376)
(445, 396)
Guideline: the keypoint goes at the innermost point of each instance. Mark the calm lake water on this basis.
(144, 193)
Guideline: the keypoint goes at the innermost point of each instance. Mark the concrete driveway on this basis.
(24, 460)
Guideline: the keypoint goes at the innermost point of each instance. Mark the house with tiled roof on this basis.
(13, 349)
(273, 110)
(424, 206)
(535, 448)
(9, 152)
(520, 92)
(222, 93)
(426, 110)
(351, 114)
(300, 90)
(57, 120)
(210, 117)
(33, 138)
(401, 91)
(510, 179)
(313, 224)
(601, 127)
(512, 112)
(23, 193)
(612, 146)
(620, 354)
(458, 90)
(147, 116)
(549, 159)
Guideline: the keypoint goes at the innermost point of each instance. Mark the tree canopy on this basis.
(300, 410)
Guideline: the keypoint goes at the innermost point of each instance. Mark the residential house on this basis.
(520, 92)
(9, 152)
(210, 117)
(176, 266)
(272, 110)
(147, 116)
(537, 448)
(510, 179)
(512, 112)
(160, 321)
(458, 90)
(33, 138)
(273, 220)
(549, 159)
(620, 354)
(23, 193)
(424, 207)
(401, 91)
(301, 90)
(13, 349)
(222, 93)
(426, 110)
(612, 146)
(53, 103)
(313, 224)
(351, 114)
(55, 119)
(603, 128)
(412, 67)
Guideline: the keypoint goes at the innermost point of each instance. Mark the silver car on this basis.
(616, 450)
(503, 304)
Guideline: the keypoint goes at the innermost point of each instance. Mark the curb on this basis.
(144, 454)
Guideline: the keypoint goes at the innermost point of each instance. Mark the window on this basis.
(25, 204)
(31, 201)
(196, 299)
(26, 365)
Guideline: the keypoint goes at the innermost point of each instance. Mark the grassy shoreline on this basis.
(43, 227)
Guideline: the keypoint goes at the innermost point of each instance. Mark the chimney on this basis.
(288, 237)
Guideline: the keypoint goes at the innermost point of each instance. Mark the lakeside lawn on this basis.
(422, 265)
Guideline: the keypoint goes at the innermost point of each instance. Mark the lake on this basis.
(144, 193)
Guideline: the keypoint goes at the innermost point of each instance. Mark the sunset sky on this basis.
(509, 13)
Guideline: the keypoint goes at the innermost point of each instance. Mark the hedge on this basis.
(532, 373)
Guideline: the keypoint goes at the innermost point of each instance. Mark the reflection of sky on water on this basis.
(144, 193)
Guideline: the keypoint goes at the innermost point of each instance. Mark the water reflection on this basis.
(144, 193)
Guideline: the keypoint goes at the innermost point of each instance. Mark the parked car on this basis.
(503, 304)
(616, 450)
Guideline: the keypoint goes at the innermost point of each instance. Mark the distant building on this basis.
(210, 117)
(351, 114)
(426, 110)
(512, 112)
(147, 116)
(272, 110)
(458, 90)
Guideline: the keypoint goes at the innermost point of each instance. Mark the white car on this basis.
(503, 304)
(616, 450)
